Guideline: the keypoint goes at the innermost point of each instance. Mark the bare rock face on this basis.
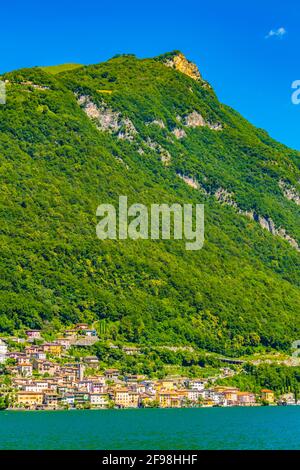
(290, 192)
(157, 122)
(268, 224)
(225, 197)
(179, 62)
(108, 120)
(195, 119)
(189, 181)
(128, 131)
(164, 154)
(179, 133)
(165, 157)
(283, 234)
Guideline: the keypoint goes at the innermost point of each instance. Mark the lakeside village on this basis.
(40, 380)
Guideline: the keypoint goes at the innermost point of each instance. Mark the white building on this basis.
(3, 351)
(36, 387)
(197, 384)
(99, 400)
(194, 395)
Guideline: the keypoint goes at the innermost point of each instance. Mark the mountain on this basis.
(76, 136)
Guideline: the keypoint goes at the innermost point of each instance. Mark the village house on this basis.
(231, 396)
(22, 359)
(20, 382)
(91, 361)
(267, 395)
(169, 399)
(3, 351)
(197, 384)
(97, 387)
(226, 372)
(246, 398)
(97, 379)
(81, 398)
(13, 370)
(90, 332)
(195, 395)
(36, 386)
(53, 383)
(85, 385)
(183, 396)
(138, 387)
(78, 368)
(33, 334)
(68, 399)
(64, 389)
(15, 355)
(149, 386)
(147, 399)
(29, 399)
(214, 397)
(70, 374)
(45, 367)
(134, 399)
(52, 348)
(52, 400)
(40, 354)
(228, 395)
(125, 398)
(132, 378)
(82, 326)
(65, 343)
(288, 399)
(99, 400)
(166, 384)
(25, 369)
(111, 374)
(30, 350)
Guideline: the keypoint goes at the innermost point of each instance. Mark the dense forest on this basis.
(74, 137)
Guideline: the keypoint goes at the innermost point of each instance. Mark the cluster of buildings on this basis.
(45, 376)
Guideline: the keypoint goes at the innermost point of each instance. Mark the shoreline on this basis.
(165, 408)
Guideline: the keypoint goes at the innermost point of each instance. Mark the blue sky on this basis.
(227, 39)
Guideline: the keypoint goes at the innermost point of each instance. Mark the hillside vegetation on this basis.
(142, 128)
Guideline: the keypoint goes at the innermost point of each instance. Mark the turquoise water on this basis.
(151, 429)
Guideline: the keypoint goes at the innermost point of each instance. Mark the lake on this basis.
(153, 429)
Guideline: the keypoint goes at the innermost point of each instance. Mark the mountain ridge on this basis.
(127, 126)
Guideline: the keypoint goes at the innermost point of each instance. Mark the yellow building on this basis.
(267, 395)
(147, 399)
(231, 395)
(165, 384)
(125, 398)
(169, 399)
(53, 349)
(30, 398)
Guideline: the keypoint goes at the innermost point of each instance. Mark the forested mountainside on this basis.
(74, 137)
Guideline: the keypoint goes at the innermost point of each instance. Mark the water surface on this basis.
(151, 429)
